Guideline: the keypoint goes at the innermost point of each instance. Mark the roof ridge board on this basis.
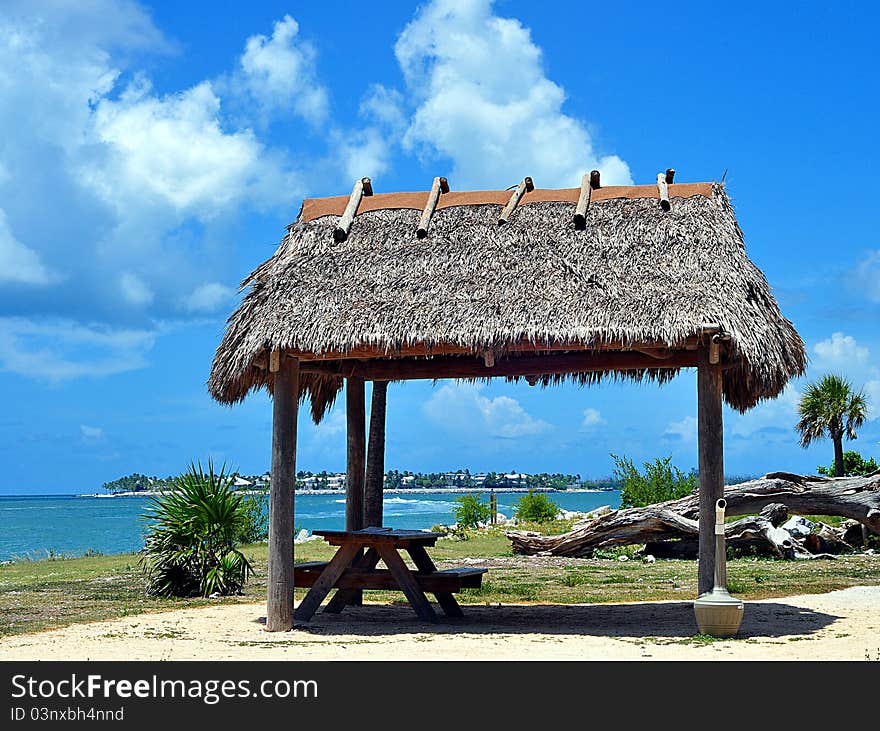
(314, 208)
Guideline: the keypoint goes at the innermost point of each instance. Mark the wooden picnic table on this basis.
(353, 568)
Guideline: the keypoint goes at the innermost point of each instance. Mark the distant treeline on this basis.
(489, 480)
(138, 483)
(397, 479)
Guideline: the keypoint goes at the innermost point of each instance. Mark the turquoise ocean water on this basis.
(33, 526)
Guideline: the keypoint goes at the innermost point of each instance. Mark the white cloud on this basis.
(867, 275)
(134, 290)
(123, 23)
(507, 418)
(175, 149)
(61, 350)
(362, 153)
(780, 413)
(843, 354)
(91, 434)
(333, 425)
(367, 151)
(872, 392)
(686, 429)
(279, 73)
(484, 101)
(462, 407)
(592, 418)
(327, 438)
(384, 106)
(208, 297)
(144, 187)
(840, 351)
(18, 263)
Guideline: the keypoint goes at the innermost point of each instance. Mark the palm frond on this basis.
(191, 545)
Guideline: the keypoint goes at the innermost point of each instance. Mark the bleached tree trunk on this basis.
(851, 497)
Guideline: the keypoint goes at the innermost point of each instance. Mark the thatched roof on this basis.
(636, 274)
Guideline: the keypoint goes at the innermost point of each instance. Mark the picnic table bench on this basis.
(353, 568)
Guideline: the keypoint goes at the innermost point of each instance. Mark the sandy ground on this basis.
(841, 625)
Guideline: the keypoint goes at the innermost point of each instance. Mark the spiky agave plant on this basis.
(192, 540)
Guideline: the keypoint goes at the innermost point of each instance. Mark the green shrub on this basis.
(853, 464)
(660, 481)
(256, 517)
(535, 506)
(192, 541)
(471, 510)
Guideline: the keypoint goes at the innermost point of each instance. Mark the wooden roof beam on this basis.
(580, 211)
(526, 186)
(663, 189)
(361, 188)
(656, 350)
(664, 180)
(471, 367)
(423, 349)
(440, 185)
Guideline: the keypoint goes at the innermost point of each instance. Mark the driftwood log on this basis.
(670, 529)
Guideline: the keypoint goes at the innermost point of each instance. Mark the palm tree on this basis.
(194, 531)
(830, 408)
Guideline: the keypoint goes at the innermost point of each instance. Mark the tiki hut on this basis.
(580, 284)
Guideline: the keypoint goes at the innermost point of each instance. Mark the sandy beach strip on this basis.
(840, 625)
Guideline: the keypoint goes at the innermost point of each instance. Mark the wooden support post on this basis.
(375, 479)
(663, 188)
(354, 476)
(525, 186)
(710, 434)
(580, 211)
(361, 188)
(441, 185)
(354, 472)
(279, 606)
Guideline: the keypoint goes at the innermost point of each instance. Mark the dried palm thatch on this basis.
(320, 392)
(636, 274)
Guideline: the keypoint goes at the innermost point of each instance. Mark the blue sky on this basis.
(150, 157)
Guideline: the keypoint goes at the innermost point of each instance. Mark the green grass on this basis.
(37, 595)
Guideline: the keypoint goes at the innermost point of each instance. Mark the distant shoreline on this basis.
(392, 491)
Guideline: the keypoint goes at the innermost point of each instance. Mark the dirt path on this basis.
(841, 625)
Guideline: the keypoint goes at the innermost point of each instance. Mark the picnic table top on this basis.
(370, 535)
